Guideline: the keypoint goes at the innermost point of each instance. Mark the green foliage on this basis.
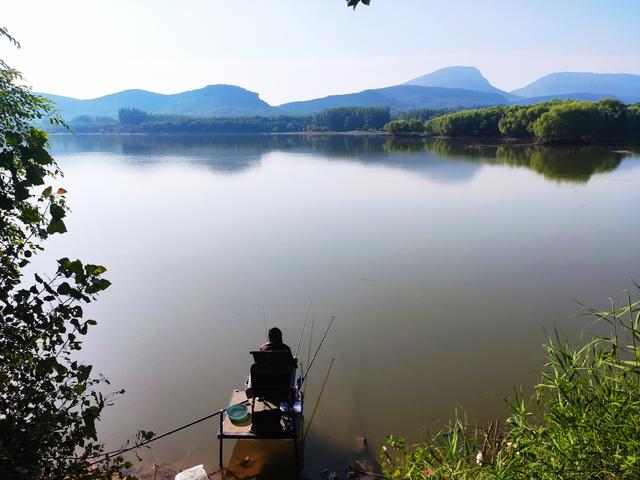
(422, 114)
(570, 121)
(49, 401)
(468, 123)
(517, 121)
(132, 120)
(583, 422)
(132, 116)
(583, 121)
(138, 121)
(346, 119)
(404, 127)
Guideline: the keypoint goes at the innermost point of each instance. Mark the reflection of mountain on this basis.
(441, 161)
(222, 154)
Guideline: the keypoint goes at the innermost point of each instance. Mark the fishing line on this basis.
(303, 327)
(264, 321)
(313, 321)
(318, 349)
(324, 384)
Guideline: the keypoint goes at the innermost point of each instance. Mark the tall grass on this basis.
(582, 423)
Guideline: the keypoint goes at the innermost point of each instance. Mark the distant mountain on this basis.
(467, 78)
(210, 101)
(450, 87)
(589, 97)
(620, 85)
(399, 97)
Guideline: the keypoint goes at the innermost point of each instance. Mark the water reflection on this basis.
(441, 160)
(442, 264)
(563, 164)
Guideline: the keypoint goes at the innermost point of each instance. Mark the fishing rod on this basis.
(324, 384)
(171, 432)
(303, 327)
(318, 349)
(264, 322)
(313, 321)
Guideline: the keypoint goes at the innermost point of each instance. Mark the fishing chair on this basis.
(272, 382)
(272, 377)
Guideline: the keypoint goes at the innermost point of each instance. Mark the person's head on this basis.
(275, 335)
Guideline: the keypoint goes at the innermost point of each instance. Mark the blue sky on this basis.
(297, 49)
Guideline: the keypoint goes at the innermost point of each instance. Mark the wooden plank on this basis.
(229, 430)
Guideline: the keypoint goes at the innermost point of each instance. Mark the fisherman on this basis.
(275, 342)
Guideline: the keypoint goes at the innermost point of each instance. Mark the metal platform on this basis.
(227, 430)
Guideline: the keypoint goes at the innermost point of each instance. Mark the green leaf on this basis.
(65, 289)
(30, 214)
(56, 226)
(94, 269)
(98, 286)
(83, 373)
(57, 211)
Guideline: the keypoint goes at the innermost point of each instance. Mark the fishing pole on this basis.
(264, 321)
(171, 432)
(313, 321)
(324, 384)
(303, 327)
(318, 349)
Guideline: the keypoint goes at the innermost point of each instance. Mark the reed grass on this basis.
(583, 422)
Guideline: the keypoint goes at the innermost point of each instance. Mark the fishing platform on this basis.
(271, 405)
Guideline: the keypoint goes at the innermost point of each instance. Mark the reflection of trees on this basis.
(345, 145)
(236, 153)
(575, 164)
(395, 144)
(562, 164)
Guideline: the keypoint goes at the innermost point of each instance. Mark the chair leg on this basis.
(220, 451)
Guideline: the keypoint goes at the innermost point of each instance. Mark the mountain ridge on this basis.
(464, 77)
(442, 88)
(399, 97)
(562, 83)
(209, 101)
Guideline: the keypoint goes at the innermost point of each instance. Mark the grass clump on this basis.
(582, 423)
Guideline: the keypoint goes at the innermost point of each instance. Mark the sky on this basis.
(299, 49)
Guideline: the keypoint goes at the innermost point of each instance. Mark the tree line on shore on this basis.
(568, 121)
(558, 121)
(132, 120)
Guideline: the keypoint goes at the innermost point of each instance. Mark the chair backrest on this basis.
(272, 380)
(273, 356)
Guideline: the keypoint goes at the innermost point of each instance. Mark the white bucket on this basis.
(194, 473)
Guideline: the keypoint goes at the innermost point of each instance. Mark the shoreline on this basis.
(469, 142)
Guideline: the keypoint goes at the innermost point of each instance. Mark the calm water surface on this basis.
(443, 266)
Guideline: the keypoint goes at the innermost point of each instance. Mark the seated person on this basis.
(269, 372)
(275, 341)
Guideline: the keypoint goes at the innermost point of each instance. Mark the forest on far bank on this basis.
(558, 121)
(567, 121)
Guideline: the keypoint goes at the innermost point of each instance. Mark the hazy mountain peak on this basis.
(211, 101)
(619, 84)
(468, 78)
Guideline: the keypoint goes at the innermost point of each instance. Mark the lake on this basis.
(443, 265)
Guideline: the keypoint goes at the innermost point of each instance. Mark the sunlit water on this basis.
(442, 264)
